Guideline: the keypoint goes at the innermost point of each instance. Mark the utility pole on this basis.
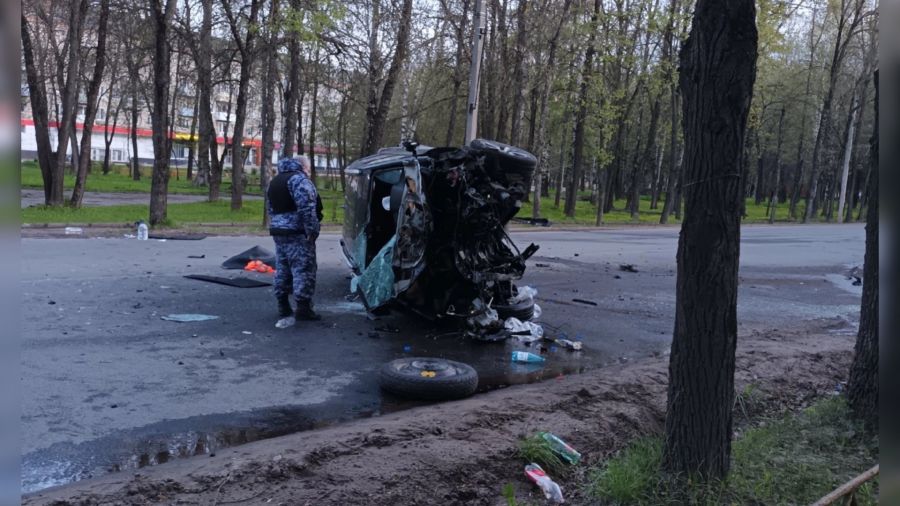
(475, 72)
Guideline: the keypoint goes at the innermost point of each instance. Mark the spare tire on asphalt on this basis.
(428, 378)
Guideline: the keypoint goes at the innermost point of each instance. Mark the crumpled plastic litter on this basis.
(189, 317)
(537, 312)
(549, 487)
(516, 326)
(524, 293)
(285, 322)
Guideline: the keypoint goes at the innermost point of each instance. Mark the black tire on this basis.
(510, 158)
(428, 378)
(523, 310)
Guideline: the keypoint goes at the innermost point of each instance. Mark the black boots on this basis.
(305, 310)
(284, 307)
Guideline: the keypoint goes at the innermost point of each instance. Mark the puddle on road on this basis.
(165, 441)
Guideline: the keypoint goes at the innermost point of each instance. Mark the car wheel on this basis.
(428, 378)
(522, 310)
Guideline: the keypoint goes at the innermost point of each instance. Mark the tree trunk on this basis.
(37, 96)
(581, 115)
(208, 170)
(192, 144)
(543, 148)
(862, 388)
(672, 178)
(798, 174)
(69, 99)
(641, 169)
(845, 26)
(267, 114)
(109, 134)
(718, 69)
(90, 110)
(518, 81)
(773, 199)
(162, 144)
(312, 116)
(292, 91)
(376, 116)
(246, 48)
(458, 75)
(845, 164)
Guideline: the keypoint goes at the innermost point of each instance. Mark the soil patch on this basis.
(463, 452)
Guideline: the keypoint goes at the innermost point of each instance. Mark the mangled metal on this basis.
(435, 219)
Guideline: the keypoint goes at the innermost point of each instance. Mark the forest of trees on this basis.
(589, 86)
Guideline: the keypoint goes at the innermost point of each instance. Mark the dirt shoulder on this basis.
(463, 452)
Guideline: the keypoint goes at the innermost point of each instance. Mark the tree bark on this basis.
(267, 114)
(90, 110)
(314, 106)
(718, 70)
(69, 99)
(37, 96)
(518, 81)
(773, 198)
(543, 148)
(581, 115)
(192, 144)
(846, 28)
(209, 171)
(458, 72)
(246, 48)
(376, 112)
(862, 387)
(159, 115)
(292, 91)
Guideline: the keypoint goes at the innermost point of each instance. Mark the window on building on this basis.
(118, 155)
(221, 106)
(97, 153)
(101, 114)
(183, 122)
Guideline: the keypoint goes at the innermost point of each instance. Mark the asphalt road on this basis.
(108, 385)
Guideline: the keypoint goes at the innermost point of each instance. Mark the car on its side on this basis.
(425, 228)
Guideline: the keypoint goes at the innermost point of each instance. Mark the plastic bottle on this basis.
(524, 356)
(561, 448)
(549, 487)
(143, 233)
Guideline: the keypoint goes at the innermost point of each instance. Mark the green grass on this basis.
(178, 214)
(586, 213)
(792, 460)
(119, 180)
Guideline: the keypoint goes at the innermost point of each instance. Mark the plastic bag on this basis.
(524, 293)
(518, 327)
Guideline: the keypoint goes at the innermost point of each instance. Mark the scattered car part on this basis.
(238, 282)
(428, 378)
(240, 260)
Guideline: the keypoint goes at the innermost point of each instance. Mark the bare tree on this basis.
(37, 95)
(162, 14)
(90, 113)
(718, 70)
(379, 102)
(246, 48)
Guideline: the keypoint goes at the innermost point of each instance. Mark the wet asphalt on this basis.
(108, 385)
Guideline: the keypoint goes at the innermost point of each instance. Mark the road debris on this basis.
(197, 256)
(237, 282)
(561, 448)
(240, 260)
(259, 266)
(526, 332)
(73, 230)
(188, 317)
(526, 357)
(389, 329)
(285, 322)
(568, 344)
(583, 301)
(551, 490)
(627, 268)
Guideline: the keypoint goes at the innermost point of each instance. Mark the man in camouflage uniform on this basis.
(294, 226)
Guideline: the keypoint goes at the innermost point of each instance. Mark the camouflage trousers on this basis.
(295, 266)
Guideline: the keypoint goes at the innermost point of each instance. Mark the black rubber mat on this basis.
(255, 253)
(178, 237)
(236, 282)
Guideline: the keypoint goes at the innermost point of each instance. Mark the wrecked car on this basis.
(424, 228)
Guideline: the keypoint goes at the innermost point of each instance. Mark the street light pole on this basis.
(475, 72)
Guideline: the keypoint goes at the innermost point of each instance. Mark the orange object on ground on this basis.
(258, 266)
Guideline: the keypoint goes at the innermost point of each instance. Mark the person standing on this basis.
(294, 226)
